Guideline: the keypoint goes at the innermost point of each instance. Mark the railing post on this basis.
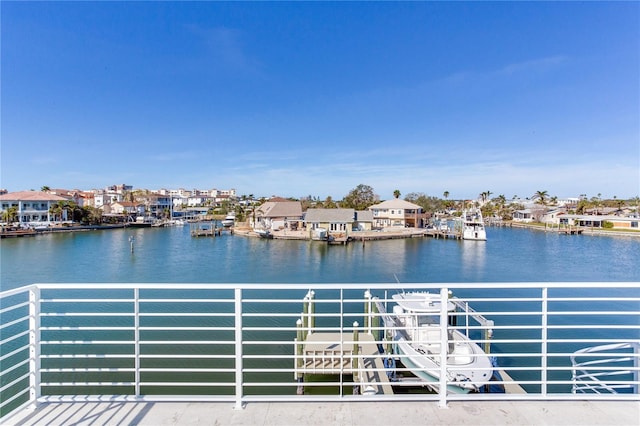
(312, 311)
(543, 349)
(136, 337)
(444, 347)
(636, 364)
(299, 361)
(238, 342)
(354, 361)
(34, 346)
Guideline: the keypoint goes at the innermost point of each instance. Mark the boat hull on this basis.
(476, 234)
(476, 374)
(418, 342)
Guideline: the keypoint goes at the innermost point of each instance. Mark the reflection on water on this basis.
(473, 259)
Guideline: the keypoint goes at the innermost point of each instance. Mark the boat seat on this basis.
(461, 355)
(429, 338)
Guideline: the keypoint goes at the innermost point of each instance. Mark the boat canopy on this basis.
(420, 302)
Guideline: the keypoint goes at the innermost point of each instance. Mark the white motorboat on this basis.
(417, 337)
(264, 233)
(473, 225)
(229, 220)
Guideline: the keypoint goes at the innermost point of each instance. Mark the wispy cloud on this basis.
(45, 160)
(533, 65)
(227, 47)
(172, 156)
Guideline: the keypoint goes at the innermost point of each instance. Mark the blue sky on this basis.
(297, 99)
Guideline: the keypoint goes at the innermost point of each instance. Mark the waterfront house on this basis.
(396, 212)
(553, 216)
(127, 208)
(364, 220)
(524, 216)
(333, 220)
(33, 207)
(598, 221)
(277, 214)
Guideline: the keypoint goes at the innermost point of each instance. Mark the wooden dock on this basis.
(570, 231)
(437, 234)
(16, 233)
(207, 229)
(333, 354)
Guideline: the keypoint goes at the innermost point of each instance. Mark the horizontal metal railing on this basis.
(239, 342)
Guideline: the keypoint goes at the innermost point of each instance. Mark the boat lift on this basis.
(375, 310)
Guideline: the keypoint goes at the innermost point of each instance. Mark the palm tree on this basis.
(541, 196)
(396, 193)
(10, 215)
(45, 188)
(446, 195)
(485, 196)
(56, 210)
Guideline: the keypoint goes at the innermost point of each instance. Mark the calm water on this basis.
(172, 255)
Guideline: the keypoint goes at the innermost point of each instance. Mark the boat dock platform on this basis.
(16, 233)
(437, 234)
(571, 231)
(207, 229)
(327, 354)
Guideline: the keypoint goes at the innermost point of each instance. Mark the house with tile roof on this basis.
(33, 207)
(397, 212)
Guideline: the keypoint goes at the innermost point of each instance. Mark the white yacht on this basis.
(473, 225)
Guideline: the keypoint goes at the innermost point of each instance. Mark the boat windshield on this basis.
(428, 320)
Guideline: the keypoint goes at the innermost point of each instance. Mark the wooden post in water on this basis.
(375, 322)
(312, 311)
(367, 310)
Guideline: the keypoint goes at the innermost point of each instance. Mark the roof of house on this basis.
(395, 203)
(280, 209)
(330, 215)
(596, 218)
(364, 216)
(31, 196)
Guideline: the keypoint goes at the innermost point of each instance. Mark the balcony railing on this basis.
(246, 342)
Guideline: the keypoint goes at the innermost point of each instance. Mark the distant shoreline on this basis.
(303, 235)
(585, 230)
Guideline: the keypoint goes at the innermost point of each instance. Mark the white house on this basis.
(396, 212)
(33, 206)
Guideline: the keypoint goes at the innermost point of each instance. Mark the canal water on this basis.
(171, 255)
(166, 255)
